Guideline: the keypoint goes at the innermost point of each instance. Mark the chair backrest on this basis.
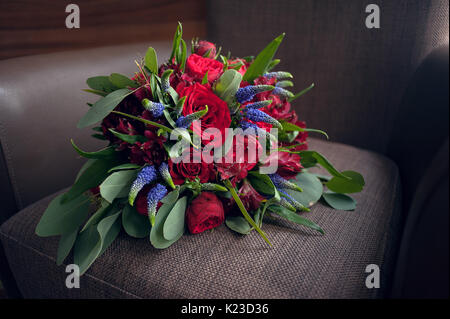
(40, 104)
(360, 73)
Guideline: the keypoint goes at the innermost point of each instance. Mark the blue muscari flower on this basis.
(144, 177)
(155, 108)
(247, 93)
(183, 122)
(154, 196)
(293, 202)
(279, 75)
(247, 125)
(258, 105)
(165, 174)
(282, 183)
(283, 93)
(256, 115)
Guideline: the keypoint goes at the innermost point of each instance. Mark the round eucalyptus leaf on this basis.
(312, 189)
(339, 201)
(174, 223)
(135, 224)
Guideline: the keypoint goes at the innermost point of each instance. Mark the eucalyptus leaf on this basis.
(122, 81)
(91, 177)
(124, 167)
(135, 224)
(132, 139)
(117, 185)
(352, 183)
(65, 245)
(174, 224)
(172, 197)
(62, 218)
(239, 224)
(339, 201)
(103, 107)
(96, 217)
(156, 234)
(105, 153)
(101, 83)
(312, 189)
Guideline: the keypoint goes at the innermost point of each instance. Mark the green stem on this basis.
(244, 211)
(165, 128)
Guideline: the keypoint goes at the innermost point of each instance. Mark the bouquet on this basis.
(202, 140)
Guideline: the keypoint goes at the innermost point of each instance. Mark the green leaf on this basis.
(88, 163)
(312, 189)
(91, 243)
(272, 64)
(151, 60)
(293, 217)
(91, 177)
(263, 60)
(132, 139)
(62, 218)
(312, 157)
(165, 128)
(123, 167)
(183, 55)
(105, 153)
(122, 81)
(169, 118)
(174, 224)
(339, 201)
(238, 224)
(156, 234)
(244, 211)
(65, 245)
(117, 184)
(135, 224)
(263, 184)
(227, 85)
(296, 96)
(99, 215)
(352, 183)
(101, 93)
(172, 197)
(103, 107)
(101, 83)
(205, 78)
(176, 41)
(289, 127)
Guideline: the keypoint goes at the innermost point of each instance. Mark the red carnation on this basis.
(218, 116)
(197, 66)
(202, 47)
(204, 212)
(249, 196)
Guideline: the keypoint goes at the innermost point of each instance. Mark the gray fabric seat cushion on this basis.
(221, 264)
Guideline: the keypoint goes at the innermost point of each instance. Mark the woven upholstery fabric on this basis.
(222, 264)
(360, 74)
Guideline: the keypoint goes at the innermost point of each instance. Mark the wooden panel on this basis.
(33, 27)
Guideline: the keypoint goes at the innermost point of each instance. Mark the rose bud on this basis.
(206, 49)
(205, 212)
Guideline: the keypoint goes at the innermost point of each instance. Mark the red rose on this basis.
(182, 171)
(204, 212)
(197, 66)
(202, 47)
(243, 67)
(218, 115)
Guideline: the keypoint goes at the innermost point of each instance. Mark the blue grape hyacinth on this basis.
(154, 196)
(147, 175)
(157, 109)
(283, 183)
(165, 174)
(283, 93)
(293, 202)
(247, 93)
(256, 115)
(258, 105)
(279, 75)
